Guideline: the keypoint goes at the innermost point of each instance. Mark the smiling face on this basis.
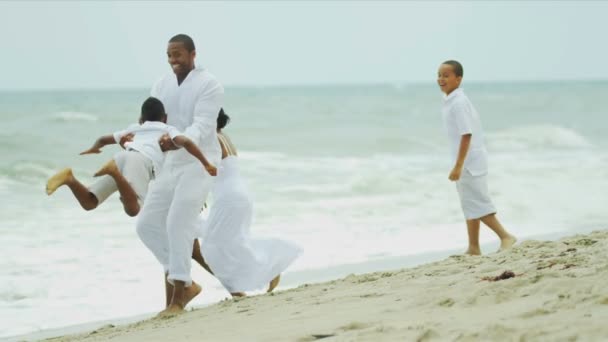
(447, 79)
(180, 59)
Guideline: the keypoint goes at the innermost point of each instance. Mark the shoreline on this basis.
(289, 281)
(413, 269)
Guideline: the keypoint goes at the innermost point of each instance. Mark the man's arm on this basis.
(465, 142)
(99, 143)
(190, 146)
(206, 110)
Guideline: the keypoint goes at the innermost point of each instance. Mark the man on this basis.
(169, 218)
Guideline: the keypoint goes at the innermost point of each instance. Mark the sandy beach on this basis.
(556, 290)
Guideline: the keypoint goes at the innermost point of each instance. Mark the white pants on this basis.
(137, 169)
(168, 221)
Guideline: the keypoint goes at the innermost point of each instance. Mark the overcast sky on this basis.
(49, 45)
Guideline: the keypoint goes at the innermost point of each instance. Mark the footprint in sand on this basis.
(371, 295)
(448, 302)
(354, 326)
(366, 279)
(104, 328)
(315, 337)
(585, 242)
(428, 335)
(535, 312)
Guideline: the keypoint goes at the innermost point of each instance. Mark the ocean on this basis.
(353, 174)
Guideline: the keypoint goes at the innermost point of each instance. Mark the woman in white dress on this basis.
(240, 262)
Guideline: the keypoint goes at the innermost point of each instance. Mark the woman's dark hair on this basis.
(222, 119)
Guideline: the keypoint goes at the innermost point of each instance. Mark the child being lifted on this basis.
(131, 170)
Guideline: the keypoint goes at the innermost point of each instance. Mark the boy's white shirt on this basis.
(460, 118)
(145, 140)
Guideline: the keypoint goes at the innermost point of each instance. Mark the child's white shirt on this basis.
(145, 140)
(460, 118)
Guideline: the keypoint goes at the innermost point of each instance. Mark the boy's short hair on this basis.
(152, 110)
(222, 119)
(458, 70)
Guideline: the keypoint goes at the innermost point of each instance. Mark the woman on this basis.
(240, 262)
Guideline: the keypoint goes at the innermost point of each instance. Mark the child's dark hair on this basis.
(152, 110)
(222, 119)
(458, 70)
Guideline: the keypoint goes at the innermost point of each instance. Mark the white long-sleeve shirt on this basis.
(192, 108)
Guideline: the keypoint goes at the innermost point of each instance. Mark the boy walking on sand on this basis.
(469, 153)
(131, 170)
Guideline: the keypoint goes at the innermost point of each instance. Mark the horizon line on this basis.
(308, 85)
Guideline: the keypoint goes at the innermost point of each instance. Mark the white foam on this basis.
(74, 116)
(537, 137)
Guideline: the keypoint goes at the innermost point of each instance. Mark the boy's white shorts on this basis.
(474, 197)
(137, 169)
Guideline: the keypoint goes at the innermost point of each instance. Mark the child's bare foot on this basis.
(473, 251)
(507, 243)
(190, 292)
(274, 283)
(238, 294)
(171, 311)
(108, 169)
(60, 178)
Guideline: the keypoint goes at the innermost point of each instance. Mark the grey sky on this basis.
(113, 44)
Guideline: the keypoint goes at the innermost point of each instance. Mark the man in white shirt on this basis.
(130, 171)
(168, 220)
(469, 156)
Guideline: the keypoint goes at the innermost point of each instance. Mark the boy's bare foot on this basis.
(507, 243)
(473, 251)
(238, 294)
(274, 283)
(170, 311)
(60, 178)
(108, 169)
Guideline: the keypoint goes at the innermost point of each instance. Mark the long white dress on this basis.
(240, 262)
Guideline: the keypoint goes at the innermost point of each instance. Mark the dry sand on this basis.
(559, 293)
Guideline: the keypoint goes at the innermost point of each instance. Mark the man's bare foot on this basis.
(274, 283)
(174, 309)
(190, 292)
(108, 169)
(238, 294)
(60, 178)
(507, 243)
(171, 311)
(473, 251)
